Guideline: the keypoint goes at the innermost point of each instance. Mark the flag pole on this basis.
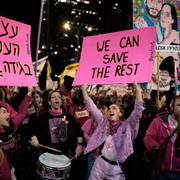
(158, 93)
(39, 34)
(38, 42)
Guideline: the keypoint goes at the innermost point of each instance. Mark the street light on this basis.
(79, 29)
(67, 26)
(89, 28)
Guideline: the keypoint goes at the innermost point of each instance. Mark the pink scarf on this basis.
(113, 126)
(54, 113)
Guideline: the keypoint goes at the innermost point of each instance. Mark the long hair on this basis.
(173, 14)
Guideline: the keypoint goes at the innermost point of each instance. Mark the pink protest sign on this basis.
(16, 67)
(118, 57)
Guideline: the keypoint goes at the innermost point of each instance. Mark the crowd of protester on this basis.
(104, 136)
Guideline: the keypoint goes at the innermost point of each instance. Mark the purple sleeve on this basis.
(86, 127)
(95, 112)
(134, 118)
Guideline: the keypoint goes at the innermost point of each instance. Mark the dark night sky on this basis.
(25, 11)
(28, 12)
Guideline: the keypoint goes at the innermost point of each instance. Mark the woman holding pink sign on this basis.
(114, 136)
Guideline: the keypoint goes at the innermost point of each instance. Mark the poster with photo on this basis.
(165, 16)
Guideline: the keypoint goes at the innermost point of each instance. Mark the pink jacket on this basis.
(88, 128)
(22, 112)
(156, 134)
(5, 172)
(18, 117)
(124, 136)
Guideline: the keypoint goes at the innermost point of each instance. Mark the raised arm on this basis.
(23, 108)
(134, 118)
(84, 92)
(138, 92)
(91, 106)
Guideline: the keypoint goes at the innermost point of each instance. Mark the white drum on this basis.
(52, 166)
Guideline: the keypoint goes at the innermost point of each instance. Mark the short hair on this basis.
(168, 65)
(146, 0)
(104, 102)
(77, 98)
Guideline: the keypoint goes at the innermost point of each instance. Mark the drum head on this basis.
(54, 160)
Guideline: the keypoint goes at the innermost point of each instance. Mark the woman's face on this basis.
(55, 100)
(114, 113)
(164, 75)
(4, 117)
(38, 99)
(166, 16)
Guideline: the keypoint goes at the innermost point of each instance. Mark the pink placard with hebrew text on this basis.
(16, 67)
(119, 57)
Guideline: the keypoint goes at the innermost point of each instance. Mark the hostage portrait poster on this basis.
(164, 15)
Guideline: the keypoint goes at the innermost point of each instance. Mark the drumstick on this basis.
(47, 147)
(69, 160)
(72, 158)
